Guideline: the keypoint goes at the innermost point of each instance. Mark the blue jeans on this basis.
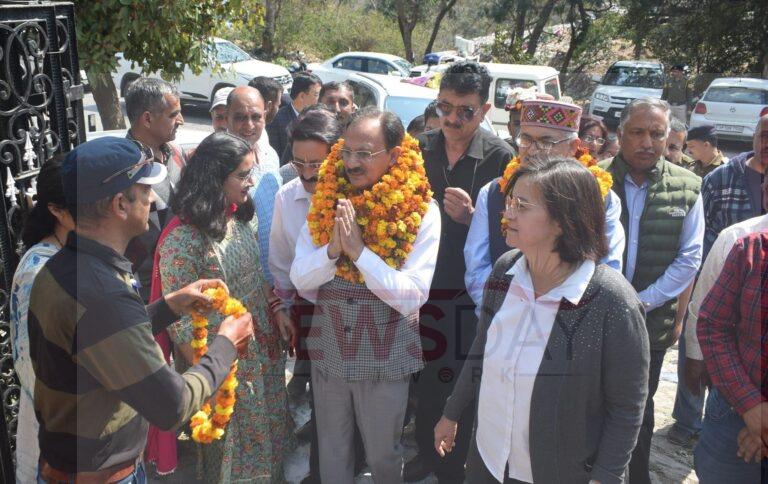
(688, 407)
(138, 476)
(714, 457)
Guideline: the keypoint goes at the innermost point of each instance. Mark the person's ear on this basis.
(119, 206)
(486, 107)
(394, 154)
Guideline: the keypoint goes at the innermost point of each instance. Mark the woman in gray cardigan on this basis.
(559, 367)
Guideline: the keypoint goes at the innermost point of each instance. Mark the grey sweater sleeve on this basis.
(626, 358)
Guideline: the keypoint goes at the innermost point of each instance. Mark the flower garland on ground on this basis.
(389, 213)
(204, 428)
(603, 178)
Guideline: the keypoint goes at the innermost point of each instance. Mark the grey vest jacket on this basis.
(357, 336)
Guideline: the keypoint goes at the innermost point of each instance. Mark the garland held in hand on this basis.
(204, 428)
(389, 213)
(603, 178)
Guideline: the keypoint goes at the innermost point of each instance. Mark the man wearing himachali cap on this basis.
(547, 128)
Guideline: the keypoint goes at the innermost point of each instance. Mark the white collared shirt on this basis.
(517, 339)
(405, 290)
(290, 214)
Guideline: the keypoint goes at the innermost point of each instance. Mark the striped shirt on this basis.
(100, 376)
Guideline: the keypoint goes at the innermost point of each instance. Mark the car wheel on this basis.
(128, 79)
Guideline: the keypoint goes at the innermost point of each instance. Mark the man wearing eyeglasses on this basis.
(459, 159)
(100, 375)
(548, 128)
(662, 214)
(364, 343)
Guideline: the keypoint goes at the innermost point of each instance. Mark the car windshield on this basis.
(404, 65)
(227, 52)
(736, 95)
(406, 108)
(634, 76)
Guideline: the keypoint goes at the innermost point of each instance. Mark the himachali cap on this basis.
(550, 114)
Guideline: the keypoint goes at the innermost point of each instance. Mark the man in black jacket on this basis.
(304, 92)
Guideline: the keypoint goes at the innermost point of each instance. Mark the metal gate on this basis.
(41, 114)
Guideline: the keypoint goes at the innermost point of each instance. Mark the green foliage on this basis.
(508, 50)
(598, 45)
(159, 35)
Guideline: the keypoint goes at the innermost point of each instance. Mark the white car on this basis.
(732, 106)
(238, 68)
(340, 67)
(187, 137)
(625, 81)
(389, 93)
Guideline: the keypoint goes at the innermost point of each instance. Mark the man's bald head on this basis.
(245, 113)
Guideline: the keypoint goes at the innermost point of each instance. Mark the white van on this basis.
(506, 77)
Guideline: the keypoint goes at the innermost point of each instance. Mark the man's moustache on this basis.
(449, 124)
(354, 171)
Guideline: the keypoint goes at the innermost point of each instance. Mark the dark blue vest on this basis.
(497, 242)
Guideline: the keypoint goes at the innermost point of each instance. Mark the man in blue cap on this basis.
(99, 375)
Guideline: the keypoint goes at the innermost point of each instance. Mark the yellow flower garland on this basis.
(204, 428)
(603, 178)
(389, 213)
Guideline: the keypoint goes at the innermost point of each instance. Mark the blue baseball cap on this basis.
(105, 167)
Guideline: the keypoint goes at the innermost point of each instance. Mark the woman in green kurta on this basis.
(215, 236)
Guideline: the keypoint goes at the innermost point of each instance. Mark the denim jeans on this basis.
(714, 457)
(138, 476)
(689, 408)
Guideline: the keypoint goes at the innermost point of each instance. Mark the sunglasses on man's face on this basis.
(464, 113)
(147, 157)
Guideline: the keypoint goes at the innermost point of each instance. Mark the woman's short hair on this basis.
(199, 198)
(572, 199)
(588, 122)
(40, 222)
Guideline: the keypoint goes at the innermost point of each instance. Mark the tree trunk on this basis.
(538, 29)
(765, 66)
(576, 38)
(406, 24)
(522, 11)
(268, 35)
(107, 100)
(445, 7)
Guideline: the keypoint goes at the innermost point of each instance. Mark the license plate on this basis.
(617, 114)
(728, 128)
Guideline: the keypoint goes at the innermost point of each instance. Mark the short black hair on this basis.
(431, 111)
(316, 123)
(147, 94)
(337, 86)
(393, 129)
(704, 133)
(269, 88)
(416, 125)
(572, 199)
(199, 197)
(467, 77)
(303, 82)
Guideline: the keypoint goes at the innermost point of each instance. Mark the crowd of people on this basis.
(514, 298)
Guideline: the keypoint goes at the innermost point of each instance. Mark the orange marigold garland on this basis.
(389, 213)
(206, 429)
(603, 178)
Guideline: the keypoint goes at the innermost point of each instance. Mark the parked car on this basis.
(338, 68)
(187, 137)
(625, 81)
(397, 95)
(733, 106)
(238, 68)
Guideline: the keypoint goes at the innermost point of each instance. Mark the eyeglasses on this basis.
(361, 156)
(525, 141)
(465, 113)
(147, 157)
(514, 204)
(242, 177)
(592, 139)
(313, 164)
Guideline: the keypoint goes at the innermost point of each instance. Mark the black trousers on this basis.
(478, 473)
(448, 328)
(639, 472)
